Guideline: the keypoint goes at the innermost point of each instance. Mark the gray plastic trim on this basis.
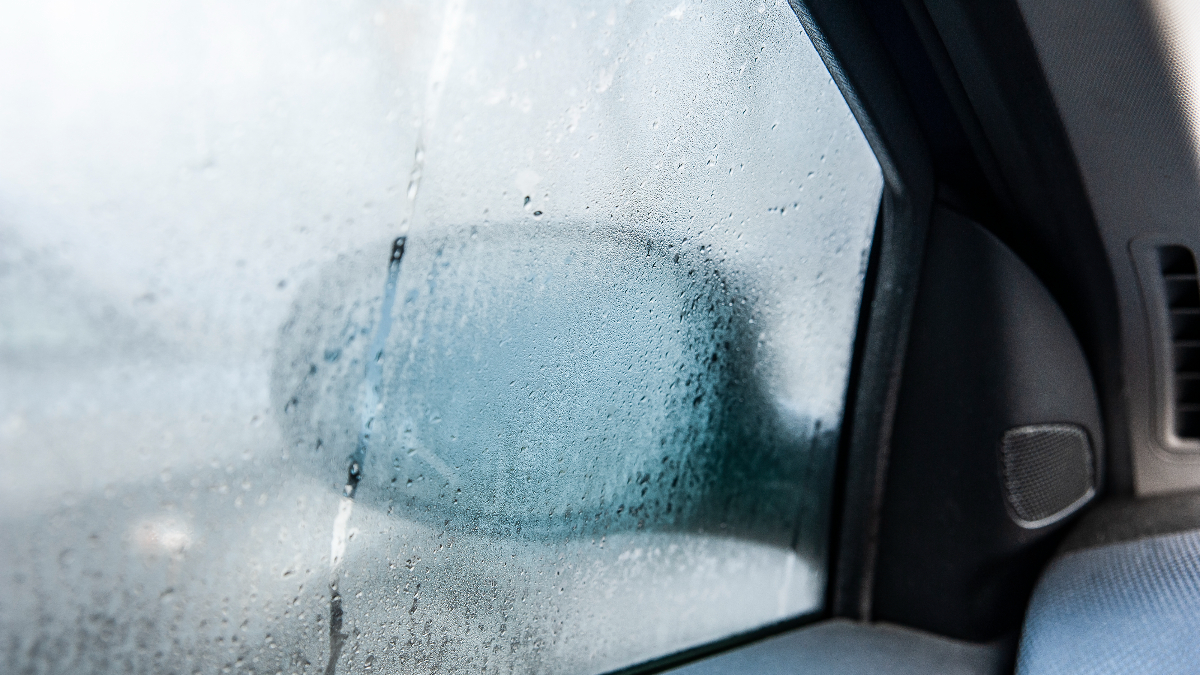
(1161, 405)
(841, 647)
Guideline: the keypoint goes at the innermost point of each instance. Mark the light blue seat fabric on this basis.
(1130, 607)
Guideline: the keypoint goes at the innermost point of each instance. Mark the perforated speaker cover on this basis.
(1047, 471)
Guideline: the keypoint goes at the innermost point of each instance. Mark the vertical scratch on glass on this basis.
(336, 636)
(369, 399)
(369, 404)
(434, 88)
(369, 395)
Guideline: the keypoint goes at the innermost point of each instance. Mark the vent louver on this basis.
(1182, 294)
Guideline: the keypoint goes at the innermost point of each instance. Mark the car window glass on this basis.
(415, 336)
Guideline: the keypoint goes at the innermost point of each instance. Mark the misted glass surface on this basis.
(584, 416)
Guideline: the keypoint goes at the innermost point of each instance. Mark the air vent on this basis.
(1181, 291)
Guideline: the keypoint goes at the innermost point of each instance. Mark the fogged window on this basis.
(417, 337)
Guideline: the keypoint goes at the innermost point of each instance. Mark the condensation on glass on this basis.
(417, 337)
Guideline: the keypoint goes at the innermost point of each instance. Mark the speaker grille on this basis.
(1047, 472)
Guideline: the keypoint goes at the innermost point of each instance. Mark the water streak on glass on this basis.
(402, 336)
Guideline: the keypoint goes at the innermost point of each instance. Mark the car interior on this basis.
(678, 336)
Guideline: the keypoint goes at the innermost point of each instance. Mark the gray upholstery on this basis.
(842, 647)
(1126, 607)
